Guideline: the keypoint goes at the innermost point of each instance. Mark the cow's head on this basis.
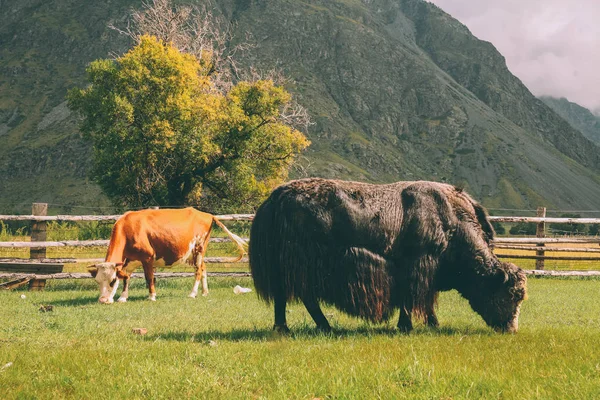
(107, 275)
(499, 298)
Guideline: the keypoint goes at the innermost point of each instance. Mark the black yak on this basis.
(371, 249)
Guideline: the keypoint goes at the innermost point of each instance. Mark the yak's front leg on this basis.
(405, 320)
(430, 318)
(149, 275)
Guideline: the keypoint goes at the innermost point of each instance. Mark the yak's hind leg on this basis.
(317, 315)
(430, 316)
(280, 319)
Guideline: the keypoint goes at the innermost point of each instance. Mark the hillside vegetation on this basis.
(398, 90)
(579, 117)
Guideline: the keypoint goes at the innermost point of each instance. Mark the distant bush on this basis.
(523, 228)
(569, 229)
(594, 230)
(499, 228)
(93, 230)
(7, 233)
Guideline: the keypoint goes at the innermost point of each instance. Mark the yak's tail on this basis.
(241, 243)
(263, 265)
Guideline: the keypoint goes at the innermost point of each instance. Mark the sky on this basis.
(553, 46)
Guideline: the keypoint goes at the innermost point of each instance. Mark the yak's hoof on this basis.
(434, 325)
(324, 329)
(122, 299)
(152, 297)
(281, 329)
(193, 295)
(405, 328)
(204, 294)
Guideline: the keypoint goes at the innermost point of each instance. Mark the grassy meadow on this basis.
(222, 346)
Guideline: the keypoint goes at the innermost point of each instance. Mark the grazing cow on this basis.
(148, 235)
(370, 249)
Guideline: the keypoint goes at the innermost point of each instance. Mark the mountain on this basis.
(579, 117)
(398, 90)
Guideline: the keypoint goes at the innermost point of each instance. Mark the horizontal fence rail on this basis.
(79, 218)
(80, 243)
(549, 220)
(249, 217)
(537, 244)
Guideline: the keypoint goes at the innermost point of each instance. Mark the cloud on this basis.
(553, 46)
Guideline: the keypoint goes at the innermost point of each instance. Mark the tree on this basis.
(164, 135)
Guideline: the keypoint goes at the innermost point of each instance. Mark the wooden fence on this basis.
(537, 244)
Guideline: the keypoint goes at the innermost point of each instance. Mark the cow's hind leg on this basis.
(317, 315)
(201, 278)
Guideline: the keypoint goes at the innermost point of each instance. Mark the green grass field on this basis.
(222, 346)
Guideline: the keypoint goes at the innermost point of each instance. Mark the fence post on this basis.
(38, 234)
(540, 232)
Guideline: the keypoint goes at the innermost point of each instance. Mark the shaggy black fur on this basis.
(371, 249)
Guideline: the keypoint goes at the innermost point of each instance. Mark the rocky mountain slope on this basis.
(398, 90)
(577, 116)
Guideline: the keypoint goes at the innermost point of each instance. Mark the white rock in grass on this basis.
(7, 365)
(23, 296)
(238, 290)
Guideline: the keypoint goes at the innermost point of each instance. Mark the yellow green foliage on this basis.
(163, 135)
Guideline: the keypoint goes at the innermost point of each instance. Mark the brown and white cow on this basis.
(148, 235)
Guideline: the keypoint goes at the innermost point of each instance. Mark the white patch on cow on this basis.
(114, 290)
(204, 284)
(193, 248)
(195, 290)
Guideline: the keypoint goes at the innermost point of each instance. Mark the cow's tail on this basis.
(240, 243)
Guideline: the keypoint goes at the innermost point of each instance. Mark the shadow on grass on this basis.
(92, 300)
(304, 332)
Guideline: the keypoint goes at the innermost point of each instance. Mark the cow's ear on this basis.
(121, 274)
(93, 270)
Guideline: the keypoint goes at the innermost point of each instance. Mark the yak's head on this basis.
(107, 275)
(498, 300)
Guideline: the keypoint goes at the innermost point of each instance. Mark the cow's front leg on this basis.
(149, 275)
(125, 293)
